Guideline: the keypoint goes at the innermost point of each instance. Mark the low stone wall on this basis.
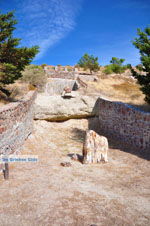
(61, 74)
(125, 122)
(72, 76)
(55, 86)
(16, 120)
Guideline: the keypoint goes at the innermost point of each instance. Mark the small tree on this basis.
(143, 44)
(13, 59)
(89, 62)
(115, 66)
(117, 61)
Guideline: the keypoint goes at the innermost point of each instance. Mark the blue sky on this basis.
(66, 29)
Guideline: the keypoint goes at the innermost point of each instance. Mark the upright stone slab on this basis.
(95, 148)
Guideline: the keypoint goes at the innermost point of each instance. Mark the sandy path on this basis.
(45, 193)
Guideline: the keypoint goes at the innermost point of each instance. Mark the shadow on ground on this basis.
(79, 157)
(114, 143)
(78, 134)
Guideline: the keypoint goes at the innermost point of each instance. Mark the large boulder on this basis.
(56, 108)
(55, 86)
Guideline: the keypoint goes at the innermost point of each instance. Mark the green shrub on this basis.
(35, 76)
(114, 68)
(139, 67)
(108, 69)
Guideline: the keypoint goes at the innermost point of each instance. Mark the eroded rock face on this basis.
(55, 86)
(56, 108)
(95, 148)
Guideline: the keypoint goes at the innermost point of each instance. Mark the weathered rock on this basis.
(74, 157)
(95, 148)
(67, 93)
(67, 90)
(55, 86)
(88, 78)
(66, 164)
(56, 108)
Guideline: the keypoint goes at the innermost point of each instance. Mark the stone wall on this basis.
(16, 120)
(50, 68)
(61, 74)
(125, 122)
(55, 86)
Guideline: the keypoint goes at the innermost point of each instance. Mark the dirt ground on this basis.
(47, 194)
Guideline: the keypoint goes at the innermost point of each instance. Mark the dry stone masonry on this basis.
(120, 120)
(16, 120)
(125, 122)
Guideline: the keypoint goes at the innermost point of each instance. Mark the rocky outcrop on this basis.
(88, 78)
(56, 108)
(55, 86)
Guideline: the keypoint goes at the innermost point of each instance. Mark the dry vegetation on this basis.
(115, 87)
(33, 76)
(15, 92)
(119, 88)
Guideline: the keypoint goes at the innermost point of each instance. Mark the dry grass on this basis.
(115, 87)
(119, 88)
(16, 91)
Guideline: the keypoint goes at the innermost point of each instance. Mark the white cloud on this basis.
(45, 22)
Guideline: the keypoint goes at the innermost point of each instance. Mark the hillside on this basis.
(120, 87)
